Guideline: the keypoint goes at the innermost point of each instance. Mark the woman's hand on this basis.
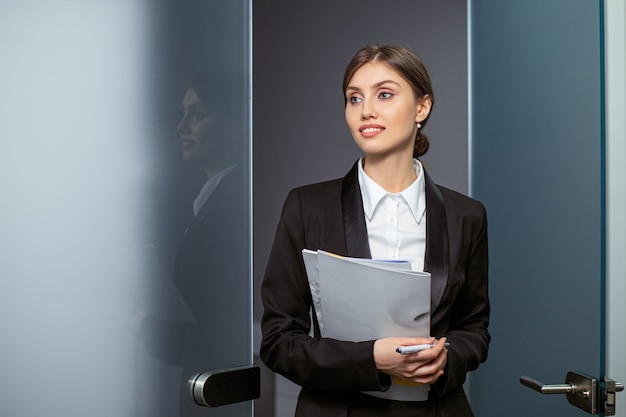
(423, 367)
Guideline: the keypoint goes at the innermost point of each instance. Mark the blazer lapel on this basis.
(357, 245)
(437, 245)
(222, 193)
(195, 225)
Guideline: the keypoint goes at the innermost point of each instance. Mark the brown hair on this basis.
(409, 66)
(223, 91)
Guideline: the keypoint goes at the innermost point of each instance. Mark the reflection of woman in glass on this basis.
(387, 206)
(210, 271)
(210, 130)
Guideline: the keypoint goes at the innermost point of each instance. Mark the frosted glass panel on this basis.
(112, 292)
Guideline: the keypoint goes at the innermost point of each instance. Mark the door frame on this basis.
(615, 106)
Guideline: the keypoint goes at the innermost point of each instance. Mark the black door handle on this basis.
(226, 386)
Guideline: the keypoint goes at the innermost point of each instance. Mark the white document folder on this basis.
(364, 299)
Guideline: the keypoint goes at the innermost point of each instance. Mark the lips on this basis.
(369, 131)
(186, 143)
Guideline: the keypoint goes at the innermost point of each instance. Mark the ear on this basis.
(423, 108)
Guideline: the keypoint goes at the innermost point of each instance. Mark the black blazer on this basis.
(211, 273)
(329, 216)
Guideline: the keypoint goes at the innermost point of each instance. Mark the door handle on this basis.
(226, 386)
(582, 391)
(546, 389)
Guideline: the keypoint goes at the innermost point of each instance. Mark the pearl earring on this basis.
(419, 125)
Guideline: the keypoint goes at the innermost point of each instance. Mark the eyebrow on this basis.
(376, 85)
(193, 106)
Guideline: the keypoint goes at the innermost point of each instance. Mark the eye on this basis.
(198, 114)
(385, 95)
(355, 99)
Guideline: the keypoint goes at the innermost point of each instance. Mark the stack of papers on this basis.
(364, 299)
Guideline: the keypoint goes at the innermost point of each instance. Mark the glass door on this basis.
(125, 273)
(538, 164)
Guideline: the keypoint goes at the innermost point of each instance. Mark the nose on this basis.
(183, 126)
(368, 110)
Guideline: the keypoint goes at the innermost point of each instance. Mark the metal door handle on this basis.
(583, 391)
(580, 389)
(618, 386)
(546, 389)
(226, 386)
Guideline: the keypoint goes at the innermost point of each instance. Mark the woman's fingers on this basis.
(424, 366)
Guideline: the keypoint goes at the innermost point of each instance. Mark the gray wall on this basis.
(299, 134)
(300, 52)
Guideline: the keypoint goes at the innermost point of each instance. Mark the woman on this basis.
(388, 97)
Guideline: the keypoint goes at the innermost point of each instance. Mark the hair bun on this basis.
(421, 145)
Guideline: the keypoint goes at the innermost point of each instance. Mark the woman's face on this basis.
(382, 110)
(201, 130)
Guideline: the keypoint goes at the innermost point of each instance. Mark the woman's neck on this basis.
(217, 165)
(392, 174)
